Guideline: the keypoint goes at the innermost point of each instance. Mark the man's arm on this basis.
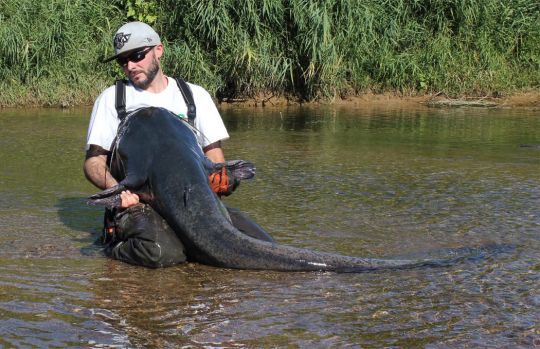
(96, 171)
(95, 168)
(214, 152)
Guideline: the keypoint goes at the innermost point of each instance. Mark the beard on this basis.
(150, 74)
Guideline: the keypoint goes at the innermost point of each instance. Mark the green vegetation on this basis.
(49, 50)
(302, 49)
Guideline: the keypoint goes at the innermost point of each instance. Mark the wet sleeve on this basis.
(103, 121)
(208, 120)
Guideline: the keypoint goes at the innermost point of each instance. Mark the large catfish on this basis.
(158, 157)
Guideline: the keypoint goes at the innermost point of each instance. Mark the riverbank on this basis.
(528, 99)
(51, 52)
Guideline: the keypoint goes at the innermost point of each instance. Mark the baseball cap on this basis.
(133, 36)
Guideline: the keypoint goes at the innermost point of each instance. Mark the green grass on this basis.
(305, 50)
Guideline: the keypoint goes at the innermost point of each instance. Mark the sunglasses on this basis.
(134, 57)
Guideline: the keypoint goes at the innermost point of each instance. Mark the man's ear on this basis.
(158, 51)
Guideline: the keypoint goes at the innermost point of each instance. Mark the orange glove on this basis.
(221, 183)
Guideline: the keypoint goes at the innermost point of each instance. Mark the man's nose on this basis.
(130, 65)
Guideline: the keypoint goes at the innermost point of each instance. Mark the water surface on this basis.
(353, 181)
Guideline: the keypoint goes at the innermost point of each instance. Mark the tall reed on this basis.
(49, 50)
(304, 49)
(325, 48)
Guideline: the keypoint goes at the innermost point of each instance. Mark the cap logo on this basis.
(120, 40)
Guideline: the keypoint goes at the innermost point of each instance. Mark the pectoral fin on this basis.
(239, 169)
(109, 198)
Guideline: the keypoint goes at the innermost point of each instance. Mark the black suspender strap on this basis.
(120, 103)
(188, 98)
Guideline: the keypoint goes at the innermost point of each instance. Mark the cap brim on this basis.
(109, 59)
(120, 54)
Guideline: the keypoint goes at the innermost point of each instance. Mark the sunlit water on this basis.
(378, 183)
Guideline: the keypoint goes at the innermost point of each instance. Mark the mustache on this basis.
(135, 72)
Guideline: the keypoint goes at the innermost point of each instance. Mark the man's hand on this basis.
(128, 199)
(96, 171)
(222, 183)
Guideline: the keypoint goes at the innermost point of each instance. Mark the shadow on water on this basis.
(75, 214)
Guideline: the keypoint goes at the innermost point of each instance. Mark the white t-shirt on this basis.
(104, 120)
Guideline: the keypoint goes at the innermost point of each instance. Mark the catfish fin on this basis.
(109, 198)
(239, 169)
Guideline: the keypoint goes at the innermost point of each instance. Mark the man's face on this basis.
(142, 72)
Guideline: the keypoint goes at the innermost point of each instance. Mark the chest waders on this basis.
(139, 235)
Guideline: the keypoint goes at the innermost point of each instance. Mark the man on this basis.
(138, 50)
(138, 234)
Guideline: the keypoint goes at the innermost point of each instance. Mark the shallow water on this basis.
(360, 182)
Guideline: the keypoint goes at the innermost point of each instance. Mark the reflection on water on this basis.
(357, 182)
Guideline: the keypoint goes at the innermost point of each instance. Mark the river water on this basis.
(365, 182)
